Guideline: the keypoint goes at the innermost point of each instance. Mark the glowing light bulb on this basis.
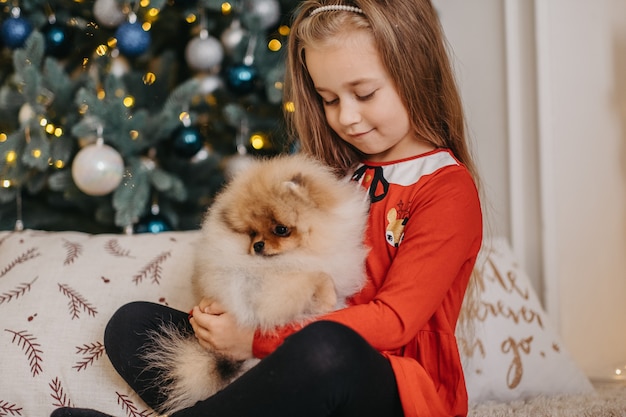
(274, 45)
(10, 157)
(290, 106)
(619, 372)
(258, 141)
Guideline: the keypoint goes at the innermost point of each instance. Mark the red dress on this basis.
(425, 231)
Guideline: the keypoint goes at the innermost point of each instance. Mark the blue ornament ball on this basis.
(187, 141)
(58, 39)
(132, 40)
(15, 31)
(242, 78)
(153, 223)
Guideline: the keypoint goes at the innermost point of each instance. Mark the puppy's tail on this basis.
(188, 372)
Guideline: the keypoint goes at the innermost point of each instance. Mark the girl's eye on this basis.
(334, 101)
(366, 97)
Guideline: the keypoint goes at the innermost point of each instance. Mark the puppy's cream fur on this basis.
(282, 243)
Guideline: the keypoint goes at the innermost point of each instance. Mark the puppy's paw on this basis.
(325, 297)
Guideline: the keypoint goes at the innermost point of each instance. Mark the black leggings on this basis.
(326, 369)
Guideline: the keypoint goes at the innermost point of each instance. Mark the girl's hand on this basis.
(217, 330)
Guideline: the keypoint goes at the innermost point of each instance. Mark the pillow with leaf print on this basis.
(57, 291)
(513, 353)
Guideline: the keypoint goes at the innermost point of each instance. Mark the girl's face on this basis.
(360, 101)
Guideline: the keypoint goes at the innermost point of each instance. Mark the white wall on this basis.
(493, 46)
(582, 89)
(544, 84)
(475, 37)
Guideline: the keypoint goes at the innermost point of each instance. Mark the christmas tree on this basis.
(129, 115)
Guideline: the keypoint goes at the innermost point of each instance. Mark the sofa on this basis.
(58, 289)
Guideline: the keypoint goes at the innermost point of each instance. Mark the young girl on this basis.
(374, 96)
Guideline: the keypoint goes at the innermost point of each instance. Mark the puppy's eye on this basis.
(281, 230)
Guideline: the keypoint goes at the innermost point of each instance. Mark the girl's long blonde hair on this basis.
(412, 47)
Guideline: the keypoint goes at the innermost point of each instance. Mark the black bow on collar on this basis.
(377, 180)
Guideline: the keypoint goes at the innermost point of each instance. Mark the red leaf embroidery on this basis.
(21, 289)
(30, 347)
(7, 408)
(90, 352)
(113, 247)
(29, 254)
(152, 270)
(77, 302)
(129, 407)
(72, 251)
(60, 398)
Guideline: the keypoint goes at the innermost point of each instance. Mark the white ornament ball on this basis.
(232, 36)
(204, 53)
(108, 13)
(210, 83)
(119, 66)
(237, 163)
(268, 11)
(25, 114)
(202, 155)
(97, 169)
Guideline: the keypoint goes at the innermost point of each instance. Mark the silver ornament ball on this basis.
(119, 66)
(268, 11)
(236, 163)
(203, 53)
(232, 36)
(97, 169)
(108, 13)
(25, 114)
(209, 83)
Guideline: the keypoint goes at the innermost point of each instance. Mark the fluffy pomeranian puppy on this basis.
(282, 243)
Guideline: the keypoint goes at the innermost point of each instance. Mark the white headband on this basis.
(336, 7)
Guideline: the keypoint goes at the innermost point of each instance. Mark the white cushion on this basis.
(514, 352)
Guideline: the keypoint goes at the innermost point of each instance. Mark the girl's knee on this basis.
(332, 334)
(328, 346)
(133, 310)
(132, 322)
(125, 321)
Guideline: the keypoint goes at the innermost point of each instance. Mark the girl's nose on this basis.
(349, 113)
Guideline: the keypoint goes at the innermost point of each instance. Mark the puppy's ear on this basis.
(297, 179)
(297, 187)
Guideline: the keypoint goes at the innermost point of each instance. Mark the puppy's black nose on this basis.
(258, 247)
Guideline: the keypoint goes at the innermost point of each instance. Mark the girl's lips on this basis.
(358, 135)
